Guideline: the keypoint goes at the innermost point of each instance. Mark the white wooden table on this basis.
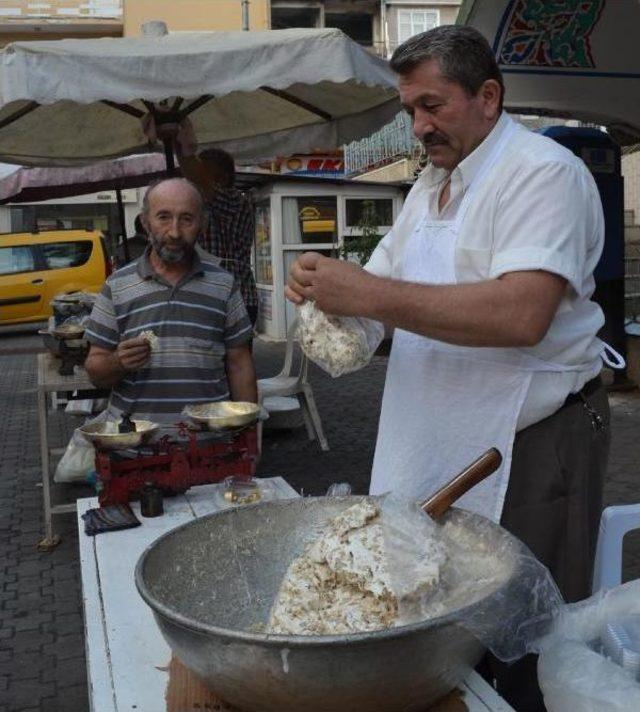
(127, 657)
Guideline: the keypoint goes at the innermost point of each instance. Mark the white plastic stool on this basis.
(614, 524)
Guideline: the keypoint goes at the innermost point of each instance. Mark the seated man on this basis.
(188, 301)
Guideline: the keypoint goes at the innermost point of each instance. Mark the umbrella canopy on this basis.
(575, 58)
(21, 185)
(254, 94)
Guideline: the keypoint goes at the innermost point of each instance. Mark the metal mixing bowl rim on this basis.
(280, 640)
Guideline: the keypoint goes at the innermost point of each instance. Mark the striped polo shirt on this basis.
(195, 321)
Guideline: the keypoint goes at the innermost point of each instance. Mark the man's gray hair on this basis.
(464, 55)
(159, 181)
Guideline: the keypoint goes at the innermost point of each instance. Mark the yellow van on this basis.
(36, 267)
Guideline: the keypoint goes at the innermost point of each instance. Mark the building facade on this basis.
(378, 25)
(405, 18)
(58, 19)
(194, 15)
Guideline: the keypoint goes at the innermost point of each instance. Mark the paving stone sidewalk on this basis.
(42, 660)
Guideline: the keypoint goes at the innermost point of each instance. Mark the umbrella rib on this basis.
(132, 111)
(195, 105)
(19, 114)
(298, 102)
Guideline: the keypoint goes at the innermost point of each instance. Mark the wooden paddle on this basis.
(477, 471)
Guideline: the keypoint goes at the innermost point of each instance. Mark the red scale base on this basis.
(176, 466)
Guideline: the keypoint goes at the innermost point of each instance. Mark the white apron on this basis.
(444, 405)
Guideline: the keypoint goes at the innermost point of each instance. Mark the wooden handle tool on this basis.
(477, 471)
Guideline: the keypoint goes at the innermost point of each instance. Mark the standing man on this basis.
(191, 304)
(487, 278)
(230, 231)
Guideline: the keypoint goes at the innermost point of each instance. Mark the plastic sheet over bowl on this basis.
(211, 584)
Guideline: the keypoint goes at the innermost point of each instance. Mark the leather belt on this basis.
(589, 389)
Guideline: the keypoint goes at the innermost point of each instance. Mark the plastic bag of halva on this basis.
(337, 344)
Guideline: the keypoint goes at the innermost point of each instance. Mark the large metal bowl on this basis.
(223, 415)
(105, 436)
(211, 583)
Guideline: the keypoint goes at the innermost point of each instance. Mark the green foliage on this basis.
(361, 246)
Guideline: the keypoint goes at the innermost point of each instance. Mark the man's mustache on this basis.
(434, 139)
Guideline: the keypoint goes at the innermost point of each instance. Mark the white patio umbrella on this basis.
(255, 94)
(19, 184)
(577, 58)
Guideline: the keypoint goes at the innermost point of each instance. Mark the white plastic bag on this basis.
(83, 406)
(337, 344)
(572, 672)
(78, 460)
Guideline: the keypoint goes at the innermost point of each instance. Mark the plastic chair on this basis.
(290, 383)
(614, 524)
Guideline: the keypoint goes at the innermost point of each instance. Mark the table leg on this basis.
(50, 540)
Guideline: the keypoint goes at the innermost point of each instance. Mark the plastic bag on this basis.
(338, 345)
(339, 489)
(80, 406)
(572, 671)
(467, 566)
(78, 460)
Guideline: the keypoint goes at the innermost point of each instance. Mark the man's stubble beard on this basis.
(169, 256)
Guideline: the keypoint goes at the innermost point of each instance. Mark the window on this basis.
(358, 26)
(413, 22)
(309, 220)
(379, 211)
(285, 16)
(58, 255)
(14, 260)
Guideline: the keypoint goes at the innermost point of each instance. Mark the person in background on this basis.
(230, 232)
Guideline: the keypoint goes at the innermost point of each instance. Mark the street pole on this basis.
(245, 15)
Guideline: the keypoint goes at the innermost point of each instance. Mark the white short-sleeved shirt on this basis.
(538, 208)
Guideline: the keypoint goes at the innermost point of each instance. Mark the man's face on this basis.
(173, 222)
(448, 122)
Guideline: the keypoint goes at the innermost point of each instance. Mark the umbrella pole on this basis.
(123, 226)
(168, 156)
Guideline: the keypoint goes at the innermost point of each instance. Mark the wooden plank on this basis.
(485, 695)
(186, 691)
(49, 380)
(99, 677)
(139, 655)
(64, 508)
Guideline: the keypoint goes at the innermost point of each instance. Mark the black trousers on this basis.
(553, 504)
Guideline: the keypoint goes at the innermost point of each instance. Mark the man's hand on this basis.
(157, 131)
(133, 354)
(107, 368)
(336, 286)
